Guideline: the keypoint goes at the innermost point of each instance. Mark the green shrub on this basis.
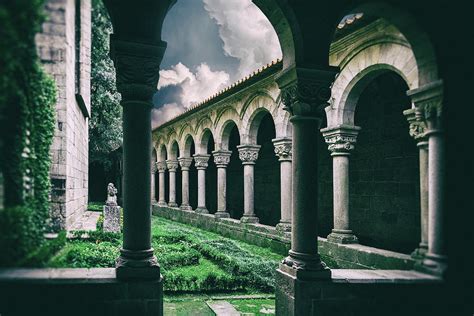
(43, 254)
(95, 206)
(79, 254)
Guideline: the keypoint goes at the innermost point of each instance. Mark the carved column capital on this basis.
(137, 68)
(172, 165)
(417, 124)
(283, 148)
(153, 167)
(201, 161)
(428, 100)
(306, 91)
(248, 153)
(341, 139)
(185, 162)
(161, 166)
(222, 158)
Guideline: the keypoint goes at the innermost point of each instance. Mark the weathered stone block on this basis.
(112, 218)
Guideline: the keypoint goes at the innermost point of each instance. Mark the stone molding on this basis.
(185, 162)
(248, 154)
(341, 139)
(201, 161)
(137, 68)
(161, 166)
(172, 165)
(222, 158)
(283, 148)
(306, 91)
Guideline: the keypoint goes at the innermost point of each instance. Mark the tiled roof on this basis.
(236, 86)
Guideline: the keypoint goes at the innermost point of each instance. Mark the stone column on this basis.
(185, 163)
(417, 130)
(137, 66)
(283, 152)
(172, 166)
(305, 93)
(201, 163)
(221, 159)
(429, 99)
(249, 154)
(341, 141)
(161, 166)
(153, 188)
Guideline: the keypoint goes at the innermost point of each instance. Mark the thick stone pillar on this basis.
(341, 141)
(153, 187)
(221, 159)
(185, 163)
(201, 163)
(172, 166)
(283, 152)
(305, 94)
(249, 154)
(416, 119)
(137, 66)
(429, 100)
(161, 166)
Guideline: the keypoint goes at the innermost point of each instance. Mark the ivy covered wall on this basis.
(27, 120)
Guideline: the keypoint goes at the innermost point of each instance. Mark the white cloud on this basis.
(246, 32)
(195, 87)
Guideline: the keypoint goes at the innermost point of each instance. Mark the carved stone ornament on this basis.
(248, 154)
(221, 157)
(153, 167)
(137, 68)
(429, 100)
(417, 123)
(172, 165)
(308, 93)
(161, 166)
(185, 162)
(201, 161)
(111, 195)
(283, 148)
(341, 139)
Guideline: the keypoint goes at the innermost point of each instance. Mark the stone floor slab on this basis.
(223, 308)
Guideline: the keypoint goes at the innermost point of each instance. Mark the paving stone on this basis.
(223, 308)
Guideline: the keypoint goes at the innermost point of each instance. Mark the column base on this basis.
(172, 204)
(202, 210)
(186, 207)
(305, 267)
(137, 265)
(249, 219)
(162, 204)
(283, 227)
(433, 264)
(420, 252)
(222, 214)
(342, 237)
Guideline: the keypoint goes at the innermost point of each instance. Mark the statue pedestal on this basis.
(112, 218)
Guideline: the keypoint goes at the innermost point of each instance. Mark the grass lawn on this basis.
(192, 260)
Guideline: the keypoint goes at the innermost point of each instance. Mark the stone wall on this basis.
(64, 45)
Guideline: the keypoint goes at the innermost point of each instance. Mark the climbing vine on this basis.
(27, 99)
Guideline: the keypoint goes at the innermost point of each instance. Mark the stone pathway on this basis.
(222, 308)
(87, 222)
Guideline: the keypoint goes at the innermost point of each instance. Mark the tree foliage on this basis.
(105, 126)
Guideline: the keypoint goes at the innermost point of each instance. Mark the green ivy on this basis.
(27, 99)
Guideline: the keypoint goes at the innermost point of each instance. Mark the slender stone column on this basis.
(304, 93)
(222, 159)
(417, 123)
(201, 163)
(249, 154)
(341, 141)
(172, 167)
(185, 163)
(283, 152)
(161, 166)
(153, 188)
(428, 99)
(137, 68)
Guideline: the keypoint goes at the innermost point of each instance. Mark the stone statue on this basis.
(111, 194)
(111, 211)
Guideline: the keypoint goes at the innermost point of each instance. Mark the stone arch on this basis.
(173, 150)
(162, 152)
(203, 140)
(251, 114)
(186, 145)
(223, 126)
(224, 133)
(361, 70)
(408, 26)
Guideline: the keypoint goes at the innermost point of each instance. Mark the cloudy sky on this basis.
(211, 44)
